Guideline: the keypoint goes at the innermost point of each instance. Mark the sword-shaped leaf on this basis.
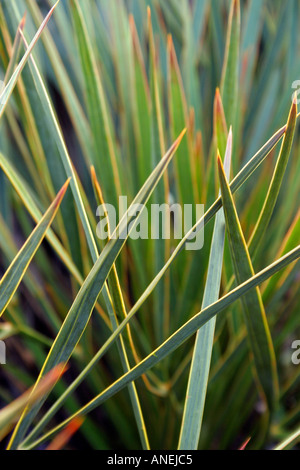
(198, 379)
(174, 341)
(229, 85)
(14, 274)
(255, 317)
(10, 414)
(242, 176)
(278, 175)
(7, 91)
(81, 309)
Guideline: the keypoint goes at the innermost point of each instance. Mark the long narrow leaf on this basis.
(274, 188)
(176, 340)
(229, 85)
(198, 378)
(81, 310)
(248, 169)
(255, 317)
(7, 91)
(14, 274)
(10, 414)
(291, 440)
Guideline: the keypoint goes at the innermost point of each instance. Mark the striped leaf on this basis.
(259, 335)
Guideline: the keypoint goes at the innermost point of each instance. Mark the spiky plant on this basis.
(158, 101)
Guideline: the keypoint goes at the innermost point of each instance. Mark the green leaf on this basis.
(11, 413)
(290, 239)
(14, 274)
(174, 341)
(161, 194)
(292, 440)
(66, 86)
(178, 115)
(199, 371)
(23, 191)
(58, 138)
(15, 51)
(220, 126)
(81, 310)
(236, 183)
(255, 317)
(63, 152)
(6, 93)
(275, 185)
(104, 157)
(120, 312)
(230, 74)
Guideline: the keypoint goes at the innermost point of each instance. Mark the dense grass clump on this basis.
(187, 102)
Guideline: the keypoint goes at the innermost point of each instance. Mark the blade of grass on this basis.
(38, 132)
(143, 105)
(7, 91)
(237, 182)
(275, 185)
(290, 239)
(27, 117)
(242, 176)
(104, 157)
(199, 371)
(81, 309)
(229, 82)
(259, 335)
(178, 116)
(15, 51)
(291, 440)
(14, 274)
(194, 279)
(9, 250)
(122, 51)
(10, 414)
(67, 164)
(63, 152)
(67, 89)
(220, 125)
(274, 188)
(161, 247)
(174, 341)
(120, 312)
(23, 191)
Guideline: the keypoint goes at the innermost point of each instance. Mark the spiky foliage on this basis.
(147, 100)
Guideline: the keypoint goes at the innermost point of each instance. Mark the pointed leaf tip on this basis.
(295, 102)
(219, 161)
(131, 24)
(93, 172)
(218, 96)
(179, 138)
(176, 143)
(62, 192)
(23, 21)
(55, 5)
(52, 9)
(230, 136)
(236, 7)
